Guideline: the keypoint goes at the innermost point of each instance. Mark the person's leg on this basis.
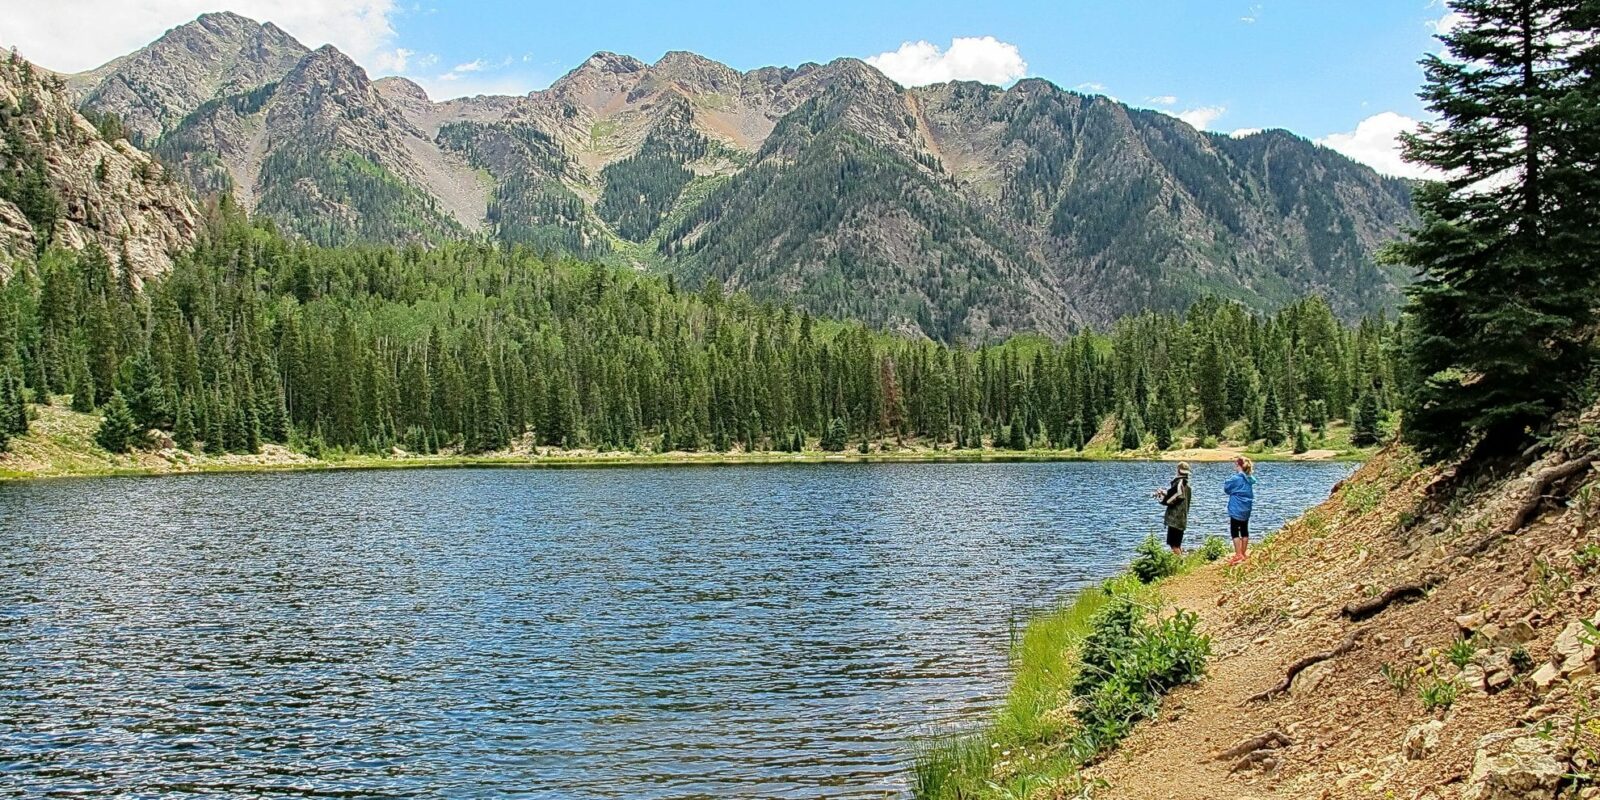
(1175, 541)
(1241, 539)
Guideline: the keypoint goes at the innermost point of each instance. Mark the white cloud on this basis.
(1447, 23)
(1203, 116)
(455, 73)
(1091, 86)
(1163, 100)
(1376, 143)
(1240, 133)
(91, 32)
(1252, 15)
(392, 62)
(974, 58)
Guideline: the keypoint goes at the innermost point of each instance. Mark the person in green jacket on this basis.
(1176, 500)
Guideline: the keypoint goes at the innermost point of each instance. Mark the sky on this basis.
(1342, 73)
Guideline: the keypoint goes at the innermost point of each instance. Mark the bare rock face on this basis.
(214, 56)
(1516, 765)
(111, 194)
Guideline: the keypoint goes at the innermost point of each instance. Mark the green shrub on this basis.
(1461, 653)
(1439, 694)
(1154, 561)
(1214, 548)
(1126, 665)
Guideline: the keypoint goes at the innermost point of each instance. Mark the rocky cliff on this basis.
(65, 183)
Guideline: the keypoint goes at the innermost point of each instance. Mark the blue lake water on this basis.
(687, 632)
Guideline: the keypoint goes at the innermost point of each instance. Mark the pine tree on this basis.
(1301, 444)
(1505, 295)
(83, 390)
(1132, 428)
(118, 430)
(13, 406)
(216, 439)
(1272, 421)
(833, 441)
(1364, 421)
(183, 432)
(1019, 436)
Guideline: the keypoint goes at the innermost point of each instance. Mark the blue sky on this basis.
(1321, 69)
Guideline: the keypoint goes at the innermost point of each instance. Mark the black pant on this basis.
(1239, 528)
(1174, 537)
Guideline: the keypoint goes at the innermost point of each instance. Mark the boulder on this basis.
(1519, 632)
(1309, 679)
(1573, 651)
(1422, 740)
(1470, 623)
(1515, 765)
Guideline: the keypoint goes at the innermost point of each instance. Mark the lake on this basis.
(692, 632)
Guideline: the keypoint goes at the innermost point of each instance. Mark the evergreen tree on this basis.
(1301, 444)
(1131, 429)
(1504, 302)
(118, 430)
(183, 431)
(833, 440)
(83, 390)
(1272, 419)
(13, 406)
(1364, 421)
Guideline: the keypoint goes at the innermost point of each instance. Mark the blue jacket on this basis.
(1241, 491)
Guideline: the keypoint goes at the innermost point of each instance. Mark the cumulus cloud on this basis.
(100, 30)
(478, 76)
(1376, 143)
(1202, 117)
(974, 58)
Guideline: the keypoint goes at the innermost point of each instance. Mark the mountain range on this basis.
(960, 210)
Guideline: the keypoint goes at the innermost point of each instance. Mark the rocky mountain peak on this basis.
(216, 55)
(696, 71)
(100, 192)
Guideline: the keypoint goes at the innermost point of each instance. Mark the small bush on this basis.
(1439, 694)
(1461, 653)
(1399, 678)
(1214, 548)
(1154, 561)
(1126, 665)
(1522, 661)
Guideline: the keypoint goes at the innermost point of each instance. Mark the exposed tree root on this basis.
(1362, 610)
(1258, 759)
(1530, 505)
(1271, 740)
(1350, 641)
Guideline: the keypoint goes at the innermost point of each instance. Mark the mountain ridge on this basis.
(994, 210)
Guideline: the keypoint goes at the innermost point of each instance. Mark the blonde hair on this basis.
(1246, 464)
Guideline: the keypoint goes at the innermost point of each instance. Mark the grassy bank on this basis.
(1085, 672)
(60, 443)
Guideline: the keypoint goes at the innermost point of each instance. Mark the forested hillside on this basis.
(254, 338)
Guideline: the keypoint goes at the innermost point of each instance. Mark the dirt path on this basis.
(1199, 721)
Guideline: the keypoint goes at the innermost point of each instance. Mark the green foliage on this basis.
(1126, 665)
(118, 431)
(1214, 548)
(1364, 425)
(467, 348)
(1461, 652)
(1399, 678)
(1437, 694)
(1500, 318)
(1154, 561)
(382, 207)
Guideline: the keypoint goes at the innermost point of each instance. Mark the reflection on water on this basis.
(651, 633)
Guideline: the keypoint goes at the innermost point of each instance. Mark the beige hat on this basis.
(1183, 468)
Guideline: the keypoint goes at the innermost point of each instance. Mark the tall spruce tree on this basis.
(1505, 296)
(118, 430)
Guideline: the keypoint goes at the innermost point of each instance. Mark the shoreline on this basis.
(645, 461)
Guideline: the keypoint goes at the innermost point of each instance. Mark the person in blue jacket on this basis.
(1241, 491)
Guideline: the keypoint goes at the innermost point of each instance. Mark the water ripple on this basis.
(667, 633)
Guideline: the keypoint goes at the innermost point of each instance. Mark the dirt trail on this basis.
(1357, 724)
